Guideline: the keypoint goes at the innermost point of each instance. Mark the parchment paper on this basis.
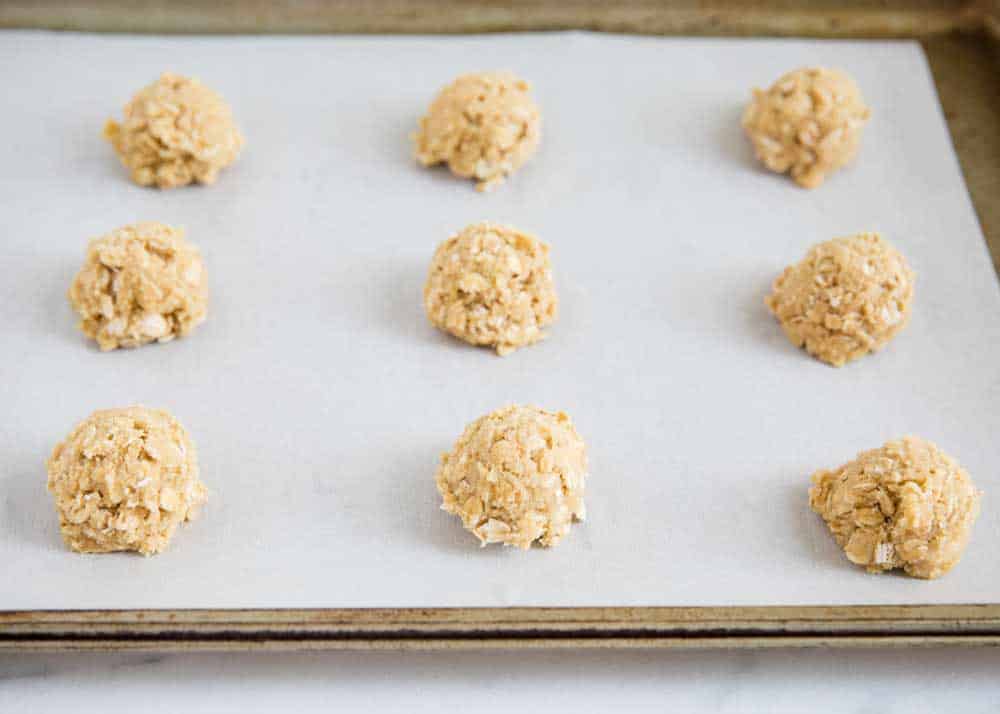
(320, 398)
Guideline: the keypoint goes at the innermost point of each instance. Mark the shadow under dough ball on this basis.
(808, 124)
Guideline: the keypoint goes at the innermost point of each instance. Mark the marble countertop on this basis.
(884, 680)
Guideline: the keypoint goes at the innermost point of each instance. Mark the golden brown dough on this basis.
(848, 297)
(492, 285)
(176, 131)
(124, 479)
(906, 505)
(483, 126)
(516, 476)
(807, 124)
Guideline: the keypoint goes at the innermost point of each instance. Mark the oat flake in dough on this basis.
(482, 126)
(516, 476)
(491, 285)
(848, 297)
(808, 124)
(905, 505)
(124, 479)
(140, 283)
(175, 132)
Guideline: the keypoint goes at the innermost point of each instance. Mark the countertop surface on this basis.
(885, 680)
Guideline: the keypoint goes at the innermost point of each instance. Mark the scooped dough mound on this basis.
(848, 297)
(483, 126)
(808, 124)
(492, 285)
(124, 479)
(906, 505)
(176, 131)
(516, 476)
(140, 283)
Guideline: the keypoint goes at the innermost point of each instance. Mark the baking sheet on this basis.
(320, 398)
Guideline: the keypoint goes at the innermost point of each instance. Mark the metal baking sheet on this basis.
(320, 398)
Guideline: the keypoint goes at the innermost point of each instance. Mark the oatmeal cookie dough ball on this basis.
(491, 285)
(483, 126)
(848, 297)
(516, 476)
(176, 131)
(807, 124)
(140, 283)
(124, 479)
(906, 505)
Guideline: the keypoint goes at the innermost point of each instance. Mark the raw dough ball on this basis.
(124, 479)
(906, 505)
(516, 476)
(850, 296)
(176, 131)
(140, 283)
(491, 285)
(483, 126)
(808, 123)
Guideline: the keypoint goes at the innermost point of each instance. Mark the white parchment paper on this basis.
(320, 398)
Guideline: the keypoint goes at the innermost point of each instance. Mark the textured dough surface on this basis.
(808, 124)
(139, 284)
(848, 297)
(516, 476)
(483, 126)
(905, 505)
(492, 285)
(124, 479)
(176, 131)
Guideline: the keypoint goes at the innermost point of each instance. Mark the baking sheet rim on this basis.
(519, 627)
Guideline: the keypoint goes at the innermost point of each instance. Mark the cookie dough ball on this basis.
(808, 124)
(491, 285)
(906, 505)
(124, 479)
(849, 297)
(140, 283)
(176, 131)
(483, 126)
(516, 476)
